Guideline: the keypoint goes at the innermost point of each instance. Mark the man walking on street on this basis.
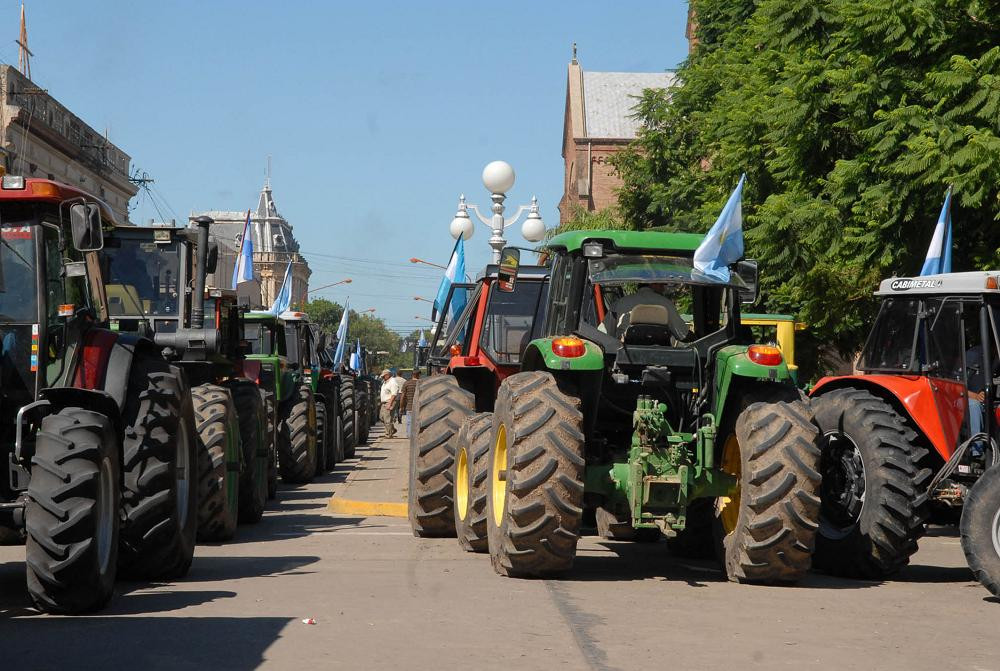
(387, 396)
(409, 389)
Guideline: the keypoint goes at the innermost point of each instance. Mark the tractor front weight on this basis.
(665, 471)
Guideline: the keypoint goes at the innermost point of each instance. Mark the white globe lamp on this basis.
(498, 177)
(533, 228)
(461, 225)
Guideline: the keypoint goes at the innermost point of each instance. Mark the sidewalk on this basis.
(378, 480)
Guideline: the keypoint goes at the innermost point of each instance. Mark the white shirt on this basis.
(390, 388)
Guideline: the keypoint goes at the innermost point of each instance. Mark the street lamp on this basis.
(498, 178)
(327, 286)
(425, 300)
(424, 318)
(416, 260)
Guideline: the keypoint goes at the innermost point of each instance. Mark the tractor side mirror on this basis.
(510, 261)
(212, 259)
(85, 225)
(747, 271)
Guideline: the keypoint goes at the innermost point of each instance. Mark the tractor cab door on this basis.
(452, 330)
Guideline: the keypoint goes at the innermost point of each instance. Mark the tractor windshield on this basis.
(916, 335)
(19, 278)
(142, 277)
(507, 325)
(258, 337)
(652, 269)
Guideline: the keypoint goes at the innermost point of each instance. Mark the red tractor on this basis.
(470, 355)
(915, 428)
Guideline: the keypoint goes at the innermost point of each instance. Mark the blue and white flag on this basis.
(723, 244)
(338, 356)
(243, 271)
(423, 341)
(455, 272)
(284, 298)
(356, 362)
(939, 252)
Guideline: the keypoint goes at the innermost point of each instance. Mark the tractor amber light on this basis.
(991, 282)
(472, 361)
(568, 347)
(45, 190)
(67, 310)
(455, 350)
(765, 355)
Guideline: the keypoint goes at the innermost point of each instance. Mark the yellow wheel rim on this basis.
(498, 486)
(728, 507)
(462, 483)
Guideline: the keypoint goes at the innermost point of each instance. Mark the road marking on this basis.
(367, 508)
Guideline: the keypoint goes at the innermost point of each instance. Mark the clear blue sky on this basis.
(377, 114)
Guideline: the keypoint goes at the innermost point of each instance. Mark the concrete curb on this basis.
(366, 508)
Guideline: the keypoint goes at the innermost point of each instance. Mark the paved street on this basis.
(383, 599)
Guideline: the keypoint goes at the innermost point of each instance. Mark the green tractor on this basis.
(156, 279)
(655, 423)
(278, 359)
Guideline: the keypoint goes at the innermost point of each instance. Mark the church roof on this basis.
(609, 99)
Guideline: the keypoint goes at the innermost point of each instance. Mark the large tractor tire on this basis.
(160, 500)
(335, 447)
(536, 465)
(347, 417)
(364, 412)
(874, 499)
(219, 462)
(297, 442)
(472, 451)
(981, 530)
(271, 411)
(252, 416)
(439, 408)
(323, 431)
(72, 514)
(770, 523)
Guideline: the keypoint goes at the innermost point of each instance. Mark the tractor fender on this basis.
(733, 368)
(105, 362)
(936, 407)
(538, 355)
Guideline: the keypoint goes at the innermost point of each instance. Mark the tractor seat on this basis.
(646, 325)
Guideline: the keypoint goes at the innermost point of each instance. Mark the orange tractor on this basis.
(915, 428)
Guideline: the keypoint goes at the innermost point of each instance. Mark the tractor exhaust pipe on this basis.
(198, 297)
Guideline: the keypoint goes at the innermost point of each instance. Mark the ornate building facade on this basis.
(274, 248)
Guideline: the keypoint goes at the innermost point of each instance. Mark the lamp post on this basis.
(327, 286)
(424, 318)
(425, 300)
(427, 263)
(498, 178)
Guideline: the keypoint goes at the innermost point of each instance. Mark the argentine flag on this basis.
(454, 273)
(723, 244)
(356, 357)
(284, 298)
(243, 271)
(939, 252)
(338, 356)
(423, 341)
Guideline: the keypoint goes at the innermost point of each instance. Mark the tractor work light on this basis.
(13, 182)
(593, 250)
(765, 355)
(568, 347)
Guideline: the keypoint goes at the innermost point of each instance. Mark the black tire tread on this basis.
(297, 444)
(251, 411)
(976, 526)
(215, 415)
(347, 416)
(475, 434)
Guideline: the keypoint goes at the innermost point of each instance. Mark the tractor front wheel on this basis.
(347, 417)
(770, 522)
(874, 499)
(439, 408)
(253, 428)
(981, 530)
(536, 465)
(297, 442)
(472, 451)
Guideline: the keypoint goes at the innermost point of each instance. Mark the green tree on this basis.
(850, 118)
(371, 330)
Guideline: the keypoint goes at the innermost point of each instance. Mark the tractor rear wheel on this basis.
(439, 408)
(770, 522)
(160, 467)
(219, 462)
(874, 499)
(271, 411)
(981, 530)
(472, 451)
(347, 416)
(323, 431)
(253, 427)
(536, 465)
(364, 408)
(72, 513)
(297, 443)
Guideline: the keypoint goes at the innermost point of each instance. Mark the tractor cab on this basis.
(483, 343)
